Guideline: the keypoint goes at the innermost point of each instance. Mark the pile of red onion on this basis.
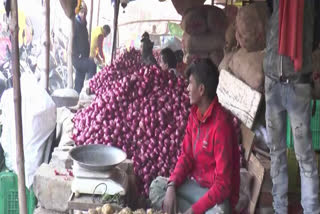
(141, 110)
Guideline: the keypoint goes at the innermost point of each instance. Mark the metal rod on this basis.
(151, 20)
(47, 70)
(115, 29)
(70, 65)
(90, 23)
(17, 107)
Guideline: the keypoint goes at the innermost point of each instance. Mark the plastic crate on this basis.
(9, 202)
(315, 129)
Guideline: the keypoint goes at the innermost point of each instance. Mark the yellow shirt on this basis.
(94, 49)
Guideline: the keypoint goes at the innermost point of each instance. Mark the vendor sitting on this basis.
(206, 178)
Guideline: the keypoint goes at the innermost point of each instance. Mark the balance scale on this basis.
(111, 182)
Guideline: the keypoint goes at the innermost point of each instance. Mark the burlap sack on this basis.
(247, 66)
(200, 20)
(215, 56)
(231, 12)
(217, 20)
(189, 57)
(250, 26)
(182, 6)
(203, 43)
(194, 22)
(68, 7)
(224, 64)
(230, 38)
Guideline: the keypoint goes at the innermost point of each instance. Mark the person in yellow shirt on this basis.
(97, 37)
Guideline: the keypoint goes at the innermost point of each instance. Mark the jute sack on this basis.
(203, 43)
(224, 64)
(194, 21)
(215, 56)
(182, 6)
(203, 19)
(230, 38)
(231, 12)
(250, 26)
(247, 66)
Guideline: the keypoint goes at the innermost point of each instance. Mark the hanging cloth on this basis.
(291, 30)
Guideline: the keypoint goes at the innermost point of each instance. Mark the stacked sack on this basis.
(244, 58)
(204, 33)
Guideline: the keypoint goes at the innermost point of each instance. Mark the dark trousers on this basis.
(83, 66)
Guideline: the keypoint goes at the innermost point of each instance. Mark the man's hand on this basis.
(169, 203)
(189, 211)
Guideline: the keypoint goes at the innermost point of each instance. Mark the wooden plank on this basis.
(247, 137)
(238, 97)
(14, 28)
(257, 170)
(84, 202)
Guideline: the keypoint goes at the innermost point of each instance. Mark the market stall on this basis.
(140, 112)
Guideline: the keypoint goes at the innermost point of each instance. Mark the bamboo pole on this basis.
(17, 107)
(47, 43)
(115, 29)
(90, 23)
(70, 65)
(98, 14)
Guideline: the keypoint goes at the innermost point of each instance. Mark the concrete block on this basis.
(61, 158)
(41, 210)
(51, 190)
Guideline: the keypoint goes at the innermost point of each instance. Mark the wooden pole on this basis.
(226, 2)
(115, 29)
(98, 14)
(70, 65)
(90, 23)
(17, 107)
(47, 43)
(212, 2)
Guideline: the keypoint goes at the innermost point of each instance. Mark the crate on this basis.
(315, 129)
(9, 202)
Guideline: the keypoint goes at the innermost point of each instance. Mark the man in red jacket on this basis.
(206, 178)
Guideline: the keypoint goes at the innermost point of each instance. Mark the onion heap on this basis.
(139, 109)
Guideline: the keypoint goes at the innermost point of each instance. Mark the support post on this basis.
(98, 14)
(70, 65)
(115, 29)
(47, 43)
(17, 107)
(90, 23)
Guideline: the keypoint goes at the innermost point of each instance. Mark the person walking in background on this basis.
(96, 49)
(80, 50)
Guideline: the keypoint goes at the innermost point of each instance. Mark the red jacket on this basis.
(210, 154)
